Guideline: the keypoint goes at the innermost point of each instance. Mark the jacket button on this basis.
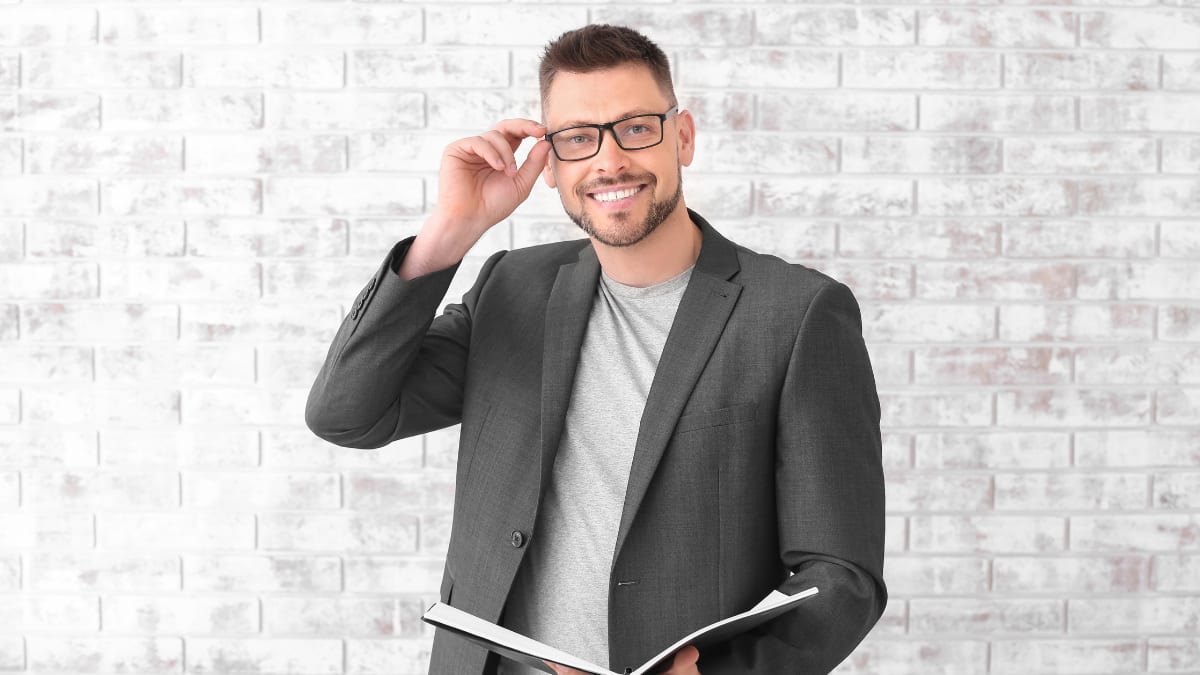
(517, 539)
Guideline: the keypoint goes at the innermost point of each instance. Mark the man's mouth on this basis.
(617, 196)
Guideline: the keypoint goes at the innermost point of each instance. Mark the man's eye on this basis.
(579, 139)
(637, 130)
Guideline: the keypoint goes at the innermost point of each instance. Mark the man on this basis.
(658, 428)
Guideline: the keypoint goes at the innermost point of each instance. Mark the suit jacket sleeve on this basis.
(830, 501)
(394, 370)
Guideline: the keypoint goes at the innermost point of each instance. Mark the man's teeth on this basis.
(614, 196)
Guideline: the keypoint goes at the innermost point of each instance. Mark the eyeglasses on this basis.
(631, 133)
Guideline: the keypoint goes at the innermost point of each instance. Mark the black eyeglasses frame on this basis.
(611, 127)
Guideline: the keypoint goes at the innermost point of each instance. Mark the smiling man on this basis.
(658, 426)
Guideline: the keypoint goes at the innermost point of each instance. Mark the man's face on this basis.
(619, 196)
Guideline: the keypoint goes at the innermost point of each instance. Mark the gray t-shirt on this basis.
(560, 595)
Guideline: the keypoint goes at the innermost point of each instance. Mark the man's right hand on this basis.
(479, 185)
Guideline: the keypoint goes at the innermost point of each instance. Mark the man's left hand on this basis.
(684, 664)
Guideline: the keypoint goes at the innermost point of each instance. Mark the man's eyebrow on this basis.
(628, 113)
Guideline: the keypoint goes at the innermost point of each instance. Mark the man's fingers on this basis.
(504, 146)
(484, 150)
(519, 129)
(534, 163)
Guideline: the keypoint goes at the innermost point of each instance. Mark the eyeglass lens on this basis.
(634, 133)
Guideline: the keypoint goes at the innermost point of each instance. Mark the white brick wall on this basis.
(190, 195)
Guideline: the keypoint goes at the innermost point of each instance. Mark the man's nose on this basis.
(611, 158)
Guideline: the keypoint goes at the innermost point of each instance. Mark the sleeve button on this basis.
(517, 539)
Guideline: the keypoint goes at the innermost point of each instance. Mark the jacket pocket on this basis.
(743, 412)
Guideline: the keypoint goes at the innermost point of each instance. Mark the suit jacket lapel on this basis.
(699, 321)
(567, 313)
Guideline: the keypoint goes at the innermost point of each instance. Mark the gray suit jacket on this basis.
(757, 464)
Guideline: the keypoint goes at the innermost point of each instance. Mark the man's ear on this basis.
(548, 172)
(687, 136)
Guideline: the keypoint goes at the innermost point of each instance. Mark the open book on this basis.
(534, 654)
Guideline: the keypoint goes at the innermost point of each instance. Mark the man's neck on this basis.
(669, 250)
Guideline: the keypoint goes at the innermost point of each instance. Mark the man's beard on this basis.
(658, 212)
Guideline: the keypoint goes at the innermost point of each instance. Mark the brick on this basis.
(47, 197)
(920, 70)
(249, 237)
(11, 152)
(995, 197)
(987, 534)
(32, 26)
(996, 28)
(1138, 280)
(860, 111)
(289, 365)
(1181, 156)
(918, 239)
(1178, 406)
(921, 492)
(759, 68)
(339, 533)
(169, 531)
(315, 279)
(1162, 532)
(866, 27)
(49, 281)
(476, 25)
(182, 196)
(1091, 322)
(934, 575)
(719, 110)
(1059, 156)
(1088, 71)
(180, 280)
(263, 67)
(668, 27)
(923, 408)
(101, 490)
(362, 195)
(1139, 29)
(105, 654)
(188, 109)
(341, 24)
(390, 657)
(1146, 112)
(227, 405)
(896, 534)
(875, 281)
(1135, 615)
(10, 71)
(262, 573)
(176, 363)
(762, 153)
(1177, 491)
(36, 447)
(412, 492)
(991, 365)
(1181, 72)
(1137, 448)
(262, 491)
(478, 111)
(369, 617)
(1179, 322)
(995, 280)
(57, 111)
(434, 531)
(995, 450)
(879, 154)
(386, 574)
(892, 366)
(1143, 364)
(1074, 239)
(418, 69)
(787, 238)
(100, 321)
(107, 571)
(38, 363)
(716, 197)
(264, 321)
(1020, 657)
(1172, 655)
(1060, 575)
(45, 530)
(997, 113)
(1082, 407)
(307, 656)
(202, 616)
(10, 495)
(940, 657)
(296, 449)
(8, 322)
(95, 238)
(987, 616)
(266, 154)
(10, 573)
(1175, 572)
(172, 26)
(100, 69)
(10, 406)
(838, 197)
(105, 155)
(388, 151)
(1082, 492)
(927, 323)
(171, 449)
(103, 406)
(1139, 197)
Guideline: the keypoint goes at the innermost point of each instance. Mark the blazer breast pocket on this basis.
(721, 417)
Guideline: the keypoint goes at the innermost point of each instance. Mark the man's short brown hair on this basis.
(599, 47)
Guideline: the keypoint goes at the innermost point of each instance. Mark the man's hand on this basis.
(684, 664)
(479, 184)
